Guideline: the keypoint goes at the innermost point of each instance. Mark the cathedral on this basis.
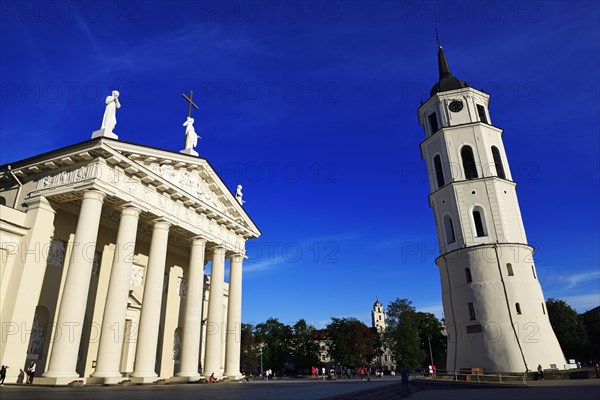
(493, 302)
(104, 245)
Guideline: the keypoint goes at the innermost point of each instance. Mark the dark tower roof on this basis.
(447, 80)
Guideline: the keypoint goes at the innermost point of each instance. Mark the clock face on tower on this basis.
(455, 105)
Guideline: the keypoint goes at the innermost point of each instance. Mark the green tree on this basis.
(352, 342)
(402, 334)
(591, 320)
(248, 349)
(430, 332)
(568, 327)
(305, 349)
(275, 340)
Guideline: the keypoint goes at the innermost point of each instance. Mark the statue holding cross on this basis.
(191, 137)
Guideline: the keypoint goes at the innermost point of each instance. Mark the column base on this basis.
(142, 380)
(57, 380)
(105, 380)
(186, 379)
(235, 376)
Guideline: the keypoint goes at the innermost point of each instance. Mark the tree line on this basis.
(578, 334)
(414, 338)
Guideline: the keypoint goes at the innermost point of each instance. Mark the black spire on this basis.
(447, 80)
(443, 66)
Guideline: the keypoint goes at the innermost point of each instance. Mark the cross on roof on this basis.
(190, 103)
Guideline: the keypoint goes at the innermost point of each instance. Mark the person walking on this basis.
(3, 374)
(404, 374)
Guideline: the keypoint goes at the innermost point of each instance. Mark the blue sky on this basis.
(312, 107)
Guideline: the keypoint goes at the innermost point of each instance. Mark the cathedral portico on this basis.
(124, 286)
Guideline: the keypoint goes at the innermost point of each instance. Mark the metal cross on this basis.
(190, 103)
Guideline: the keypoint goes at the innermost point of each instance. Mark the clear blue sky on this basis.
(312, 107)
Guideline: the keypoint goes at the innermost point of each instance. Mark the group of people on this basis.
(432, 371)
(268, 374)
(362, 372)
(21, 376)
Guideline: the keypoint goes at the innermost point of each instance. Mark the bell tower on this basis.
(493, 302)
(378, 317)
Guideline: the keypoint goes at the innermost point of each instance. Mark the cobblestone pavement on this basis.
(385, 389)
(547, 390)
(255, 390)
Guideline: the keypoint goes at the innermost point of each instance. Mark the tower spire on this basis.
(443, 66)
(447, 81)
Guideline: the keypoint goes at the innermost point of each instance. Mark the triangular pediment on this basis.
(192, 176)
(188, 178)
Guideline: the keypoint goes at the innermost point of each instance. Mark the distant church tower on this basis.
(378, 317)
(493, 302)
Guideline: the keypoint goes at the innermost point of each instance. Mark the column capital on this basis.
(236, 256)
(161, 223)
(94, 194)
(130, 209)
(198, 240)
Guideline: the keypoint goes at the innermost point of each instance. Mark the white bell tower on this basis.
(378, 317)
(493, 302)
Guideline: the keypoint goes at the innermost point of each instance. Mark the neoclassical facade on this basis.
(104, 247)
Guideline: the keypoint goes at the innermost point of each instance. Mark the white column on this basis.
(63, 359)
(190, 346)
(115, 308)
(145, 355)
(214, 326)
(234, 319)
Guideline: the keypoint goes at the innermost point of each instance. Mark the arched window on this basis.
(498, 162)
(543, 309)
(518, 307)
(433, 122)
(509, 269)
(468, 274)
(479, 220)
(533, 272)
(468, 162)
(449, 229)
(439, 172)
